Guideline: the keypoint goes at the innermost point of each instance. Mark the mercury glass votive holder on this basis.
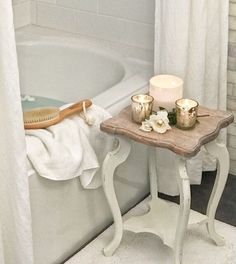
(186, 113)
(141, 107)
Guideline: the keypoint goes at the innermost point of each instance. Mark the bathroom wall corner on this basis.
(22, 13)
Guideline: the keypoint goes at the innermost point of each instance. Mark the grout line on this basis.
(98, 7)
(20, 3)
(128, 20)
(97, 13)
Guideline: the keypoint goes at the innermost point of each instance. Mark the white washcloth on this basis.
(70, 149)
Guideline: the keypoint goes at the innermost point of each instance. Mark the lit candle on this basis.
(165, 89)
(186, 113)
(141, 107)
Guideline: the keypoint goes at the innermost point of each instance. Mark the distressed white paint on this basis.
(220, 151)
(112, 160)
(167, 220)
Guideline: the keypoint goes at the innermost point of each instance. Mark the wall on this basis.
(22, 12)
(232, 84)
(128, 24)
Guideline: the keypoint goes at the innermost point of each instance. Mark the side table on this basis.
(167, 220)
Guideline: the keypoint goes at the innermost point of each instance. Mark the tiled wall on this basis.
(232, 83)
(22, 12)
(128, 23)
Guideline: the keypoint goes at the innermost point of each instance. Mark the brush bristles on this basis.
(40, 114)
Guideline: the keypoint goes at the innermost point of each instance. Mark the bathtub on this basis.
(60, 66)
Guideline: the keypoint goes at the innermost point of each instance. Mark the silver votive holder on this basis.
(141, 107)
(186, 113)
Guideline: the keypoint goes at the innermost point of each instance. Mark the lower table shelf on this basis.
(161, 220)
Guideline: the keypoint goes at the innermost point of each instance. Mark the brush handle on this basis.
(47, 121)
(75, 108)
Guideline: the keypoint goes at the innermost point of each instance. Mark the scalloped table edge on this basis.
(116, 130)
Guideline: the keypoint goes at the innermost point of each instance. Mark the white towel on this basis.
(70, 149)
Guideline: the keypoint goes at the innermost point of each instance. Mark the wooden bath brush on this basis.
(45, 117)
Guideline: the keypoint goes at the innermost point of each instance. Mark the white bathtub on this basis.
(64, 215)
(70, 69)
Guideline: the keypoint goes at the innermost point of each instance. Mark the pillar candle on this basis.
(165, 89)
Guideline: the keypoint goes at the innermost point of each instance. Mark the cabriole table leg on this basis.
(184, 209)
(152, 172)
(113, 160)
(220, 151)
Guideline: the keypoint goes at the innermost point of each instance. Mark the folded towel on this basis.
(70, 149)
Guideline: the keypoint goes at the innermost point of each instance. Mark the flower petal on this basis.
(146, 126)
(162, 114)
(159, 129)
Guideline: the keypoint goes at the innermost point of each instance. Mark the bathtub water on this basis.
(40, 101)
(64, 215)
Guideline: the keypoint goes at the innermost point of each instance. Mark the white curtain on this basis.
(191, 42)
(15, 218)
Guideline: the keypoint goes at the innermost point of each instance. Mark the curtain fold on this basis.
(191, 42)
(15, 218)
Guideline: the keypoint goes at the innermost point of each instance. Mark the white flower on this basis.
(159, 122)
(146, 126)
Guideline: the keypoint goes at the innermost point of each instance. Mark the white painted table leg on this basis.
(184, 209)
(112, 160)
(220, 151)
(152, 172)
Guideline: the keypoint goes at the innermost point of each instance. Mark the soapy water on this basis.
(30, 102)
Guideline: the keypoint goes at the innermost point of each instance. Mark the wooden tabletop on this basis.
(186, 143)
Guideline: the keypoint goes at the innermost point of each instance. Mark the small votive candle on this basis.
(186, 113)
(141, 107)
(165, 89)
